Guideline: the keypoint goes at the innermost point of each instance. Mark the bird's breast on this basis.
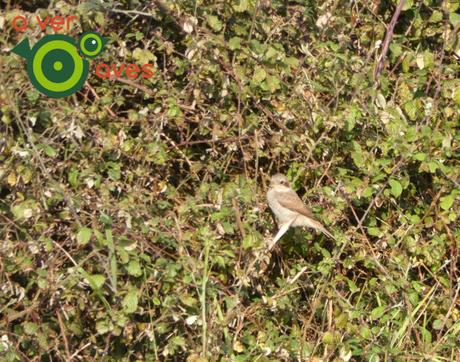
(282, 214)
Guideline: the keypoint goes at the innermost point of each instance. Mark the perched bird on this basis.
(289, 209)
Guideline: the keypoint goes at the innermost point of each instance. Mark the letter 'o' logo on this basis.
(54, 64)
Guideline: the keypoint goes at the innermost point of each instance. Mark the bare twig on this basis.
(386, 42)
(173, 145)
(240, 226)
(45, 173)
(223, 140)
(297, 276)
(131, 12)
(395, 169)
(66, 342)
(238, 217)
(446, 317)
(75, 354)
(135, 85)
(93, 92)
(253, 22)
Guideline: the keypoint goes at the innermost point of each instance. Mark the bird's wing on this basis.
(290, 200)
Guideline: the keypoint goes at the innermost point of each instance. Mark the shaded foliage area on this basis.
(133, 220)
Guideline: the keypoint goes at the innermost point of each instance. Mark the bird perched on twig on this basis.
(289, 209)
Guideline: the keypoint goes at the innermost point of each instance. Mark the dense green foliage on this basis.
(133, 219)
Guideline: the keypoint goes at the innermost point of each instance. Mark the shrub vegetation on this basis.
(133, 219)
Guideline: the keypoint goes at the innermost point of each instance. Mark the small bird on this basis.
(289, 209)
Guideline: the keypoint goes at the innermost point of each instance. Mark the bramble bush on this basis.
(133, 219)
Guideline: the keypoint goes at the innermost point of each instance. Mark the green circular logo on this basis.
(91, 44)
(54, 65)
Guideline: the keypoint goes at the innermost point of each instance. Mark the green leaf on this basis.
(73, 178)
(235, 43)
(395, 49)
(365, 332)
(377, 312)
(84, 235)
(396, 188)
(130, 301)
(419, 156)
(25, 210)
(103, 326)
(257, 47)
(454, 19)
(113, 259)
(271, 53)
(352, 286)
(178, 341)
(426, 335)
(405, 93)
(243, 5)
(273, 83)
(249, 241)
(353, 115)
(114, 171)
(420, 60)
(411, 109)
(374, 231)
(407, 5)
(428, 59)
(446, 202)
(433, 166)
(381, 101)
(259, 75)
(436, 16)
(214, 23)
(292, 62)
(143, 56)
(456, 96)
(437, 324)
(30, 328)
(406, 63)
(50, 151)
(328, 338)
(134, 268)
(357, 156)
(96, 281)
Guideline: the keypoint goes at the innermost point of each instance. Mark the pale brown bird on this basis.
(289, 209)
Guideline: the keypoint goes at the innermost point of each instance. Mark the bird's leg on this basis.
(282, 230)
(278, 235)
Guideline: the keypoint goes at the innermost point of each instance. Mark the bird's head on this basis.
(279, 180)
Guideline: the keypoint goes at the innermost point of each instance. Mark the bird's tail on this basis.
(321, 228)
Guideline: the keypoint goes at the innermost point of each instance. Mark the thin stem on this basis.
(203, 299)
